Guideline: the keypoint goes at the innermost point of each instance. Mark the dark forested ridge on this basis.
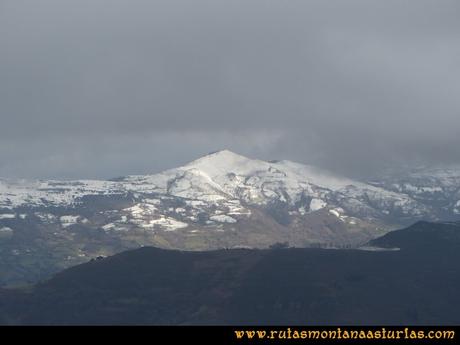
(417, 284)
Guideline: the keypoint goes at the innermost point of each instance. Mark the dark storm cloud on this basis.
(104, 88)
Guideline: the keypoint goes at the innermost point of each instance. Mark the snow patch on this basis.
(338, 212)
(46, 217)
(335, 213)
(67, 221)
(166, 223)
(237, 210)
(317, 204)
(109, 226)
(456, 209)
(301, 210)
(222, 218)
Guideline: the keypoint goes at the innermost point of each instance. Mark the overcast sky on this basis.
(94, 89)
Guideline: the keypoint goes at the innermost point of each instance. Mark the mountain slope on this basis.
(222, 200)
(422, 235)
(436, 186)
(417, 285)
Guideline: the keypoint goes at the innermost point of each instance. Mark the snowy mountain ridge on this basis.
(219, 175)
(224, 175)
(221, 200)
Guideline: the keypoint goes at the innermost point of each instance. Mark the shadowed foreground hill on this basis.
(417, 284)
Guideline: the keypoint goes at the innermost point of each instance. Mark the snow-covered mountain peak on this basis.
(224, 162)
(224, 177)
(222, 154)
(224, 167)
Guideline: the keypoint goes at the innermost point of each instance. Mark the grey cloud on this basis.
(115, 154)
(103, 88)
